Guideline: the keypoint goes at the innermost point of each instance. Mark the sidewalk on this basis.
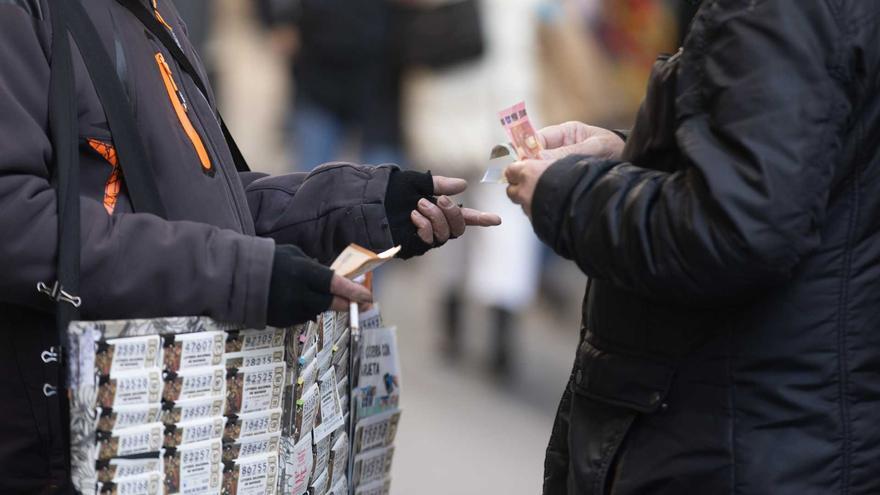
(462, 433)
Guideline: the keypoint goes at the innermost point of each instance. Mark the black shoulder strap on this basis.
(171, 44)
(70, 22)
(63, 127)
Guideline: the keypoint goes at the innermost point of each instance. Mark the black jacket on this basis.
(212, 256)
(731, 338)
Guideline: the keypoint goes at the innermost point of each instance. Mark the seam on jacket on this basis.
(842, 322)
(312, 219)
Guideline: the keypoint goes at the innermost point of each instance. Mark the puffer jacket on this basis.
(212, 255)
(731, 335)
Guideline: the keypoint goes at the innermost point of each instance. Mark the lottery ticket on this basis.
(500, 157)
(298, 465)
(253, 424)
(322, 456)
(120, 469)
(255, 389)
(338, 456)
(371, 318)
(251, 446)
(340, 487)
(331, 409)
(194, 350)
(371, 466)
(128, 416)
(376, 431)
(194, 468)
(340, 325)
(129, 441)
(324, 358)
(145, 484)
(128, 354)
(194, 383)
(379, 487)
(252, 340)
(255, 475)
(129, 388)
(308, 376)
(306, 410)
(250, 359)
(199, 430)
(193, 409)
(319, 484)
(326, 329)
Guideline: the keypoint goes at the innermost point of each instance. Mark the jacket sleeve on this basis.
(325, 210)
(133, 265)
(748, 199)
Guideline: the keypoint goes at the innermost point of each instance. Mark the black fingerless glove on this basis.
(405, 189)
(299, 289)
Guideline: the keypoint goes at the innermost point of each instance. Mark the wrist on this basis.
(405, 189)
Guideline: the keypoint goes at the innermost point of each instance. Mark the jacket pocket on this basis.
(611, 391)
(178, 102)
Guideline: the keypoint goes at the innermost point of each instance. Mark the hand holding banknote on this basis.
(577, 138)
(557, 142)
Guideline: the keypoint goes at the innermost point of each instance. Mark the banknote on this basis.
(524, 143)
(520, 131)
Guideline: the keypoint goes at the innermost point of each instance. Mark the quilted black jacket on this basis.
(731, 339)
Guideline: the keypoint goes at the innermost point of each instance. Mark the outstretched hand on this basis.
(447, 220)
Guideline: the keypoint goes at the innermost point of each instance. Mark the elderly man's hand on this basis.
(522, 178)
(577, 138)
(446, 220)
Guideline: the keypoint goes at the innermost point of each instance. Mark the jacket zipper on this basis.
(178, 101)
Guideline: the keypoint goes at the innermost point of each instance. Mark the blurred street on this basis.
(461, 431)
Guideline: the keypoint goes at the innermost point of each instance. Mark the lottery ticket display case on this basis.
(191, 405)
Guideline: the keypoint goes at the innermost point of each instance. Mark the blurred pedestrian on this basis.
(732, 237)
(450, 126)
(345, 80)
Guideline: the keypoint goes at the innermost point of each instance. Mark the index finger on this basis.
(478, 218)
(448, 186)
(352, 291)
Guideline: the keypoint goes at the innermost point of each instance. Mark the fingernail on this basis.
(445, 202)
(424, 203)
(414, 214)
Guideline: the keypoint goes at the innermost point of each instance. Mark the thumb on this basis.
(352, 291)
(448, 186)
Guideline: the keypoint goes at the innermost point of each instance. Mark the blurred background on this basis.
(487, 325)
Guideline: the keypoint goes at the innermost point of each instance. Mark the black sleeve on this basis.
(749, 196)
(325, 210)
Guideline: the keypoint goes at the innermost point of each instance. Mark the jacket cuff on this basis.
(552, 196)
(259, 255)
(622, 133)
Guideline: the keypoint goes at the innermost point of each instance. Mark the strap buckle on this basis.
(49, 356)
(49, 390)
(58, 294)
